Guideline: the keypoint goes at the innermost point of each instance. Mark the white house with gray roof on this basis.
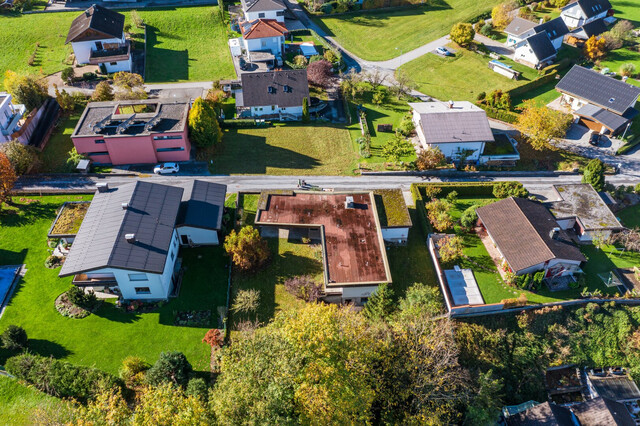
(131, 235)
(580, 12)
(264, 9)
(459, 129)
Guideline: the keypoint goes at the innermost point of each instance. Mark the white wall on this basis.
(557, 43)
(82, 49)
(274, 109)
(395, 235)
(266, 14)
(199, 236)
(512, 40)
(525, 53)
(574, 17)
(358, 292)
(271, 44)
(590, 235)
(119, 66)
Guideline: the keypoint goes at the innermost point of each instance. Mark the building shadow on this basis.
(164, 65)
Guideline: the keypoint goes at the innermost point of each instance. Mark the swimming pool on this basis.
(7, 275)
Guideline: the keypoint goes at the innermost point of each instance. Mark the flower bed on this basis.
(68, 309)
(193, 318)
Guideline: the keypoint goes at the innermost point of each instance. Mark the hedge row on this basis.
(499, 114)
(61, 378)
(533, 84)
(464, 189)
(243, 123)
(418, 200)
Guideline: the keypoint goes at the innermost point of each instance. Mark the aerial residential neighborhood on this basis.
(300, 212)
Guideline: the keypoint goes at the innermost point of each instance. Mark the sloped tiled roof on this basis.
(591, 7)
(96, 23)
(602, 411)
(545, 414)
(606, 92)
(282, 88)
(521, 229)
(555, 28)
(519, 26)
(150, 215)
(202, 204)
(541, 45)
(261, 28)
(462, 122)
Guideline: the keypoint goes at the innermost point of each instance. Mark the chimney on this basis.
(131, 238)
(102, 187)
(348, 203)
(450, 104)
(554, 233)
(125, 206)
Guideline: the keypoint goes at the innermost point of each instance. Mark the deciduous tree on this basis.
(430, 158)
(595, 48)
(450, 248)
(130, 86)
(403, 85)
(7, 178)
(26, 89)
(103, 92)
(541, 124)
(204, 129)
(462, 33)
(319, 73)
(501, 14)
(247, 249)
(593, 173)
(20, 156)
(438, 213)
(397, 148)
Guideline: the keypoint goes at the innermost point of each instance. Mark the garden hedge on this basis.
(61, 378)
(628, 146)
(499, 114)
(425, 225)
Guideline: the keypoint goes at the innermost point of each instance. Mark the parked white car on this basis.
(166, 168)
(443, 51)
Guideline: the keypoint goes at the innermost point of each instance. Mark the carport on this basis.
(600, 120)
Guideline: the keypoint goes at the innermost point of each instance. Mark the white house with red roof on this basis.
(263, 39)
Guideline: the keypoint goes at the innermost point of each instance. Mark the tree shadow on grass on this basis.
(24, 214)
(48, 348)
(110, 312)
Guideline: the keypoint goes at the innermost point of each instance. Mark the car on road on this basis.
(166, 168)
(443, 51)
(594, 139)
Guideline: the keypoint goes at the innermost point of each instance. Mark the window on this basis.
(261, 15)
(173, 255)
(113, 63)
(142, 290)
(177, 148)
(287, 88)
(138, 277)
(98, 153)
(280, 13)
(99, 141)
(164, 138)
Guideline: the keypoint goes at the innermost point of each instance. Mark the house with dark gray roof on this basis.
(129, 239)
(556, 29)
(529, 238)
(459, 129)
(536, 51)
(274, 95)
(580, 12)
(593, 28)
(264, 9)
(600, 103)
(97, 38)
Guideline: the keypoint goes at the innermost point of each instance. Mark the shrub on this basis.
(593, 173)
(637, 188)
(486, 30)
(331, 56)
(204, 129)
(326, 8)
(438, 213)
(509, 189)
(450, 249)
(14, 338)
(198, 388)
(319, 73)
(103, 92)
(452, 197)
(246, 301)
(469, 217)
(132, 370)
(171, 367)
(136, 19)
(213, 338)
(430, 158)
(20, 156)
(61, 378)
(78, 297)
(478, 25)
(628, 70)
(53, 261)
(247, 248)
(300, 61)
(28, 90)
(67, 75)
(481, 96)
(304, 287)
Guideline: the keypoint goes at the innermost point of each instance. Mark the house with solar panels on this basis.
(130, 238)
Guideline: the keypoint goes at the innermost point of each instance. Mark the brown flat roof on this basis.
(353, 245)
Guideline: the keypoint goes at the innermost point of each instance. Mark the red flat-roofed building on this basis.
(348, 228)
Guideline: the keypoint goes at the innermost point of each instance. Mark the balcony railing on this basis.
(88, 280)
(120, 53)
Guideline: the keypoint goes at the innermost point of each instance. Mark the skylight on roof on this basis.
(612, 100)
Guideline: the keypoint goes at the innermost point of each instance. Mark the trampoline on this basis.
(7, 276)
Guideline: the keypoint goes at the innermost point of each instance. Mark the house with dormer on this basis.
(581, 12)
(264, 9)
(273, 95)
(536, 51)
(97, 38)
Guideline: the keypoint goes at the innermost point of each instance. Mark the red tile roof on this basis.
(262, 28)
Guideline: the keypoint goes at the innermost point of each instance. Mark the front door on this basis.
(184, 239)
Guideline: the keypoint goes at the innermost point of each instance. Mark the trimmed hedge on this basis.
(533, 85)
(464, 189)
(499, 114)
(61, 378)
(242, 123)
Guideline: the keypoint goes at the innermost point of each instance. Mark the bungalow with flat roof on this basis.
(600, 103)
(347, 227)
(395, 220)
(273, 95)
(130, 236)
(97, 38)
(529, 239)
(134, 132)
(583, 210)
(580, 12)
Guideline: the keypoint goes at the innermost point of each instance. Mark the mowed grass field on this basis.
(183, 44)
(18, 403)
(106, 337)
(463, 76)
(382, 35)
(286, 149)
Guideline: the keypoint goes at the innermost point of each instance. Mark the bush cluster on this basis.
(79, 298)
(14, 338)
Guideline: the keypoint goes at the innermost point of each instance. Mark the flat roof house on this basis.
(130, 236)
(347, 227)
(273, 95)
(134, 132)
(10, 115)
(580, 12)
(529, 239)
(459, 129)
(600, 103)
(97, 38)
(583, 210)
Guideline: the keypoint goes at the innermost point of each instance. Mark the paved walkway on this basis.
(495, 46)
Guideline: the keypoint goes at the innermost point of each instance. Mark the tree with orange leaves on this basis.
(7, 178)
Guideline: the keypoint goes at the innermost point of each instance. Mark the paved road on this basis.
(261, 182)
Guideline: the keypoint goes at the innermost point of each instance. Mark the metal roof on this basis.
(263, 5)
(606, 92)
(555, 28)
(202, 204)
(150, 214)
(592, 28)
(609, 119)
(591, 7)
(456, 123)
(519, 26)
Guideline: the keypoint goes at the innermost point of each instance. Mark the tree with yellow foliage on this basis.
(501, 14)
(595, 48)
(541, 124)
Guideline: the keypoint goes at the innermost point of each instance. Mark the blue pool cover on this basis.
(7, 275)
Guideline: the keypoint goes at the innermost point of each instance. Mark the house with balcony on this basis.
(273, 95)
(580, 12)
(97, 38)
(10, 115)
(263, 40)
(134, 132)
(130, 237)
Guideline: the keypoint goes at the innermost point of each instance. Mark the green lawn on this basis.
(186, 43)
(463, 76)
(382, 35)
(18, 402)
(103, 339)
(286, 149)
(630, 216)
(55, 154)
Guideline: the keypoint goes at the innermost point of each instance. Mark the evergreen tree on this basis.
(380, 304)
(594, 174)
(204, 129)
(305, 110)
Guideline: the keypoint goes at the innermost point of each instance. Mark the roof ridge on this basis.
(553, 255)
